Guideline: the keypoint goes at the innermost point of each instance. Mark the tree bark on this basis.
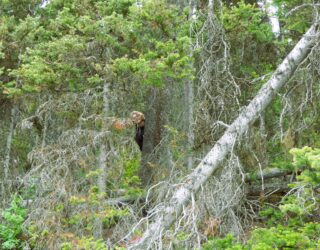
(45, 127)
(167, 215)
(6, 165)
(189, 93)
(272, 174)
(98, 232)
(278, 189)
(272, 12)
(9, 144)
(153, 133)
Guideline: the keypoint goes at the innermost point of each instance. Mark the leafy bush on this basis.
(227, 242)
(284, 237)
(85, 243)
(280, 237)
(11, 226)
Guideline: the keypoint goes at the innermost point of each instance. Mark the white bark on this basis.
(210, 7)
(6, 165)
(272, 12)
(103, 169)
(182, 195)
(44, 3)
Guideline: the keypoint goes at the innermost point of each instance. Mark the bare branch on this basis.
(302, 6)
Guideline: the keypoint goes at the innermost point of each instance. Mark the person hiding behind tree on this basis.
(139, 120)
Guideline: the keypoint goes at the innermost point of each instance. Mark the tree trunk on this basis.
(153, 134)
(274, 173)
(9, 144)
(6, 165)
(181, 196)
(189, 93)
(272, 10)
(45, 127)
(98, 232)
(269, 189)
(103, 151)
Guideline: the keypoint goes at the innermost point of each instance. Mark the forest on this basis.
(159, 124)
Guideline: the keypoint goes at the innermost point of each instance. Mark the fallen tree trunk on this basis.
(268, 188)
(267, 175)
(182, 195)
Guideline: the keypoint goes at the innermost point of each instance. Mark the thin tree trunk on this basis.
(210, 7)
(167, 215)
(190, 134)
(6, 164)
(189, 93)
(153, 133)
(262, 154)
(103, 169)
(45, 127)
(272, 10)
(103, 151)
(98, 232)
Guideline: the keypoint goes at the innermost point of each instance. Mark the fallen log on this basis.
(267, 175)
(267, 188)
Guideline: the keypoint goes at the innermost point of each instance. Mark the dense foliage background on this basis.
(72, 71)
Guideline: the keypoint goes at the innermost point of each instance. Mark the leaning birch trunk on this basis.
(182, 195)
